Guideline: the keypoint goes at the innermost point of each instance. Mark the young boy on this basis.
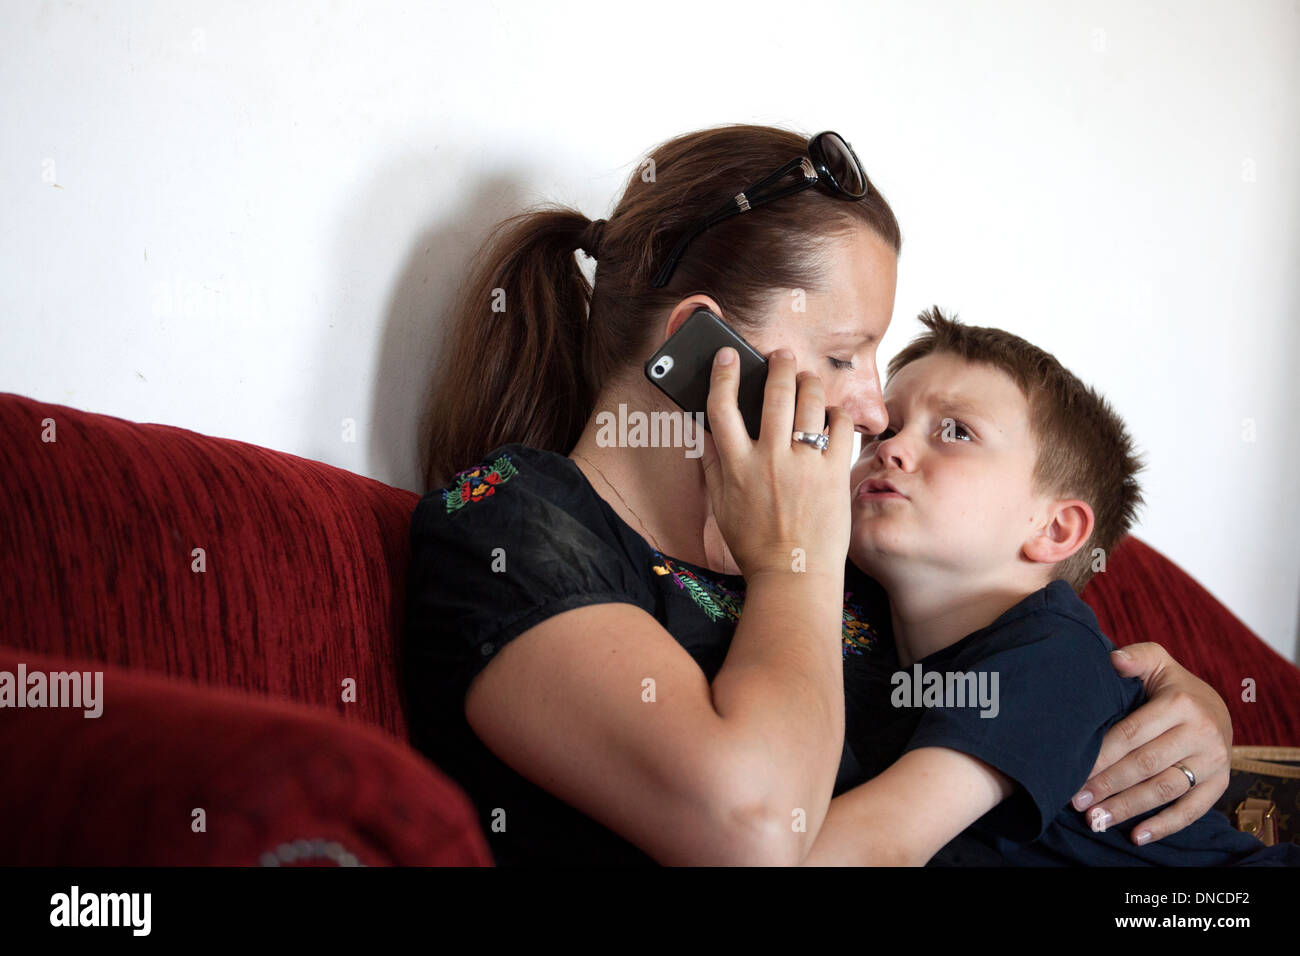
(986, 505)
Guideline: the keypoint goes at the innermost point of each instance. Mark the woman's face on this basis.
(836, 333)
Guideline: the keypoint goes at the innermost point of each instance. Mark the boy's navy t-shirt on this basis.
(1056, 696)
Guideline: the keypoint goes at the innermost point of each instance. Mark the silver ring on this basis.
(1191, 777)
(818, 440)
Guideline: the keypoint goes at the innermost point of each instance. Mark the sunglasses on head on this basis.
(829, 161)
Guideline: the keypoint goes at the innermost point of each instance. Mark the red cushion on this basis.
(1143, 596)
(121, 788)
(305, 563)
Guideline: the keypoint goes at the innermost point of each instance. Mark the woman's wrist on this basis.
(823, 572)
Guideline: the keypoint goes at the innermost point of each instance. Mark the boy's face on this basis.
(960, 454)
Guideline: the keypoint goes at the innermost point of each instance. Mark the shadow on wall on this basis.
(1295, 651)
(401, 334)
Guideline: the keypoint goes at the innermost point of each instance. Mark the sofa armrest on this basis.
(1143, 596)
(277, 782)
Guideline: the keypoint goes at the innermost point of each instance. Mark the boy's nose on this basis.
(893, 452)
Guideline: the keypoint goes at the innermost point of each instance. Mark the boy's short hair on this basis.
(1084, 449)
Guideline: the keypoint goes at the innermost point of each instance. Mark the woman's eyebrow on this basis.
(856, 334)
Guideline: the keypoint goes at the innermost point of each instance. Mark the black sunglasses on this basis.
(830, 161)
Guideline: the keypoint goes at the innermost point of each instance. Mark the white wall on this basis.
(245, 219)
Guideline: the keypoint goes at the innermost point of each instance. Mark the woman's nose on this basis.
(867, 410)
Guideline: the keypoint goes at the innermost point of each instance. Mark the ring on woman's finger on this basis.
(818, 440)
(1191, 777)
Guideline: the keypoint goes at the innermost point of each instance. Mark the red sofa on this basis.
(253, 710)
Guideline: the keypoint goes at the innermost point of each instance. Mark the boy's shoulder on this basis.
(1053, 611)
(1052, 637)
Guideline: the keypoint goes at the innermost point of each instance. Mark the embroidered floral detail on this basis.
(478, 483)
(859, 636)
(718, 602)
(721, 603)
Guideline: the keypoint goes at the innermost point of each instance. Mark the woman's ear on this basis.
(682, 311)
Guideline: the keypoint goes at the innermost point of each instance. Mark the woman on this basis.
(607, 645)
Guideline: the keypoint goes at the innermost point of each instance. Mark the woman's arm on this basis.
(910, 811)
(1183, 722)
(604, 709)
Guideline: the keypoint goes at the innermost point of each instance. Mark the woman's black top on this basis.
(514, 540)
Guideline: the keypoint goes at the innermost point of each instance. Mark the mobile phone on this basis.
(682, 367)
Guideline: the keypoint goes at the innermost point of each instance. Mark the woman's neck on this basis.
(664, 496)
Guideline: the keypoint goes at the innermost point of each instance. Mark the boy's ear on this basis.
(1068, 526)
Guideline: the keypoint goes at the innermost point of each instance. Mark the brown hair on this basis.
(1084, 449)
(530, 343)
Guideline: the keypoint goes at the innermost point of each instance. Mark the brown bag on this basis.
(1263, 795)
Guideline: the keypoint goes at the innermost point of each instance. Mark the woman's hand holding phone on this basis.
(774, 495)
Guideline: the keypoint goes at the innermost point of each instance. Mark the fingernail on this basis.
(1124, 654)
(726, 355)
(1100, 817)
(785, 353)
(1144, 836)
(1082, 799)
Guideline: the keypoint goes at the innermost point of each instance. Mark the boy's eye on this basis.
(955, 430)
(840, 363)
(950, 430)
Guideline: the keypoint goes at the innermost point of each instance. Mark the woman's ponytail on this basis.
(511, 363)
